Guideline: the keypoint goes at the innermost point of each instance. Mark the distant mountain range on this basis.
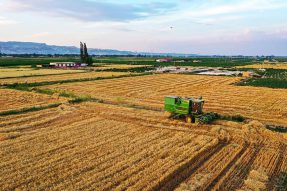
(13, 47)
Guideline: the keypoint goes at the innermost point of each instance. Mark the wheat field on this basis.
(220, 93)
(266, 66)
(25, 71)
(116, 66)
(13, 99)
(108, 147)
(52, 78)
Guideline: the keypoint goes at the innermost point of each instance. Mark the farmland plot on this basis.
(221, 96)
(106, 147)
(116, 66)
(12, 99)
(90, 151)
(19, 72)
(52, 78)
(266, 66)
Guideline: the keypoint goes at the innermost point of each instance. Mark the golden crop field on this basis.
(13, 99)
(51, 78)
(92, 146)
(263, 104)
(24, 71)
(265, 66)
(116, 66)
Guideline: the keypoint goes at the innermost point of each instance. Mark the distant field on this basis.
(272, 78)
(52, 78)
(20, 72)
(266, 66)
(115, 66)
(13, 99)
(220, 95)
(22, 61)
(204, 62)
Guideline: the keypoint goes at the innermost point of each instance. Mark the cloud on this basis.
(40, 35)
(5, 21)
(88, 10)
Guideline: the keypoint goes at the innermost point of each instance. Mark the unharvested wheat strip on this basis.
(31, 126)
(41, 170)
(145, 157)
(132, 175)
(25, 115)
(23, 119)
(140, 143)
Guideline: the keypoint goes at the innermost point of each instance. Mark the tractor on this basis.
(189, 108)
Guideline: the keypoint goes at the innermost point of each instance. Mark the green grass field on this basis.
(203, 62)
(271, 78)
(21, 61)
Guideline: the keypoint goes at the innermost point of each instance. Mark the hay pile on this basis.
(256, 181)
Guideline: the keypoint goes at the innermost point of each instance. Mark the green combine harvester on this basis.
(189, 108)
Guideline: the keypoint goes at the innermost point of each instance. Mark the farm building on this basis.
(67, 65)
(164, 60)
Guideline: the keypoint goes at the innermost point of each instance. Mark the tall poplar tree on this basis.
(82, 52)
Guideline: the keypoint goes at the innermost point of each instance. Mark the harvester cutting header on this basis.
(189, 108)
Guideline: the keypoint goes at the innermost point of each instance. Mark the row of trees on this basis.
(85, 58)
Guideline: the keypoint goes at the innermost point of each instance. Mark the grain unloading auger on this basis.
(189, 108)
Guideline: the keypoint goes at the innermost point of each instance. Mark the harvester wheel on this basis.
(188, 119)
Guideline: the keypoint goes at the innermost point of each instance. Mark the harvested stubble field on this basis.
(61, 77)
(105, 147)
(266, 66)
(26, 71)
(116, 66)
(13, 99)
(263, 104)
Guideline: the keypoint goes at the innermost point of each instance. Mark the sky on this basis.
(207, 27)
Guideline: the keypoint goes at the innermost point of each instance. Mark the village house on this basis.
(67, 65)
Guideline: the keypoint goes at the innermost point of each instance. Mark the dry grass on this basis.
(263, 104)
(12, 99)
(61, 77)
(18, 72)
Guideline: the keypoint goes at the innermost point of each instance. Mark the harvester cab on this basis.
(190, 108)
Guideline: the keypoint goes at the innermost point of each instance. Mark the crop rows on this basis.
(52, 78)
(12, 99)
(108, 147)
(22, 72)
(91, 151)
(221, 96)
